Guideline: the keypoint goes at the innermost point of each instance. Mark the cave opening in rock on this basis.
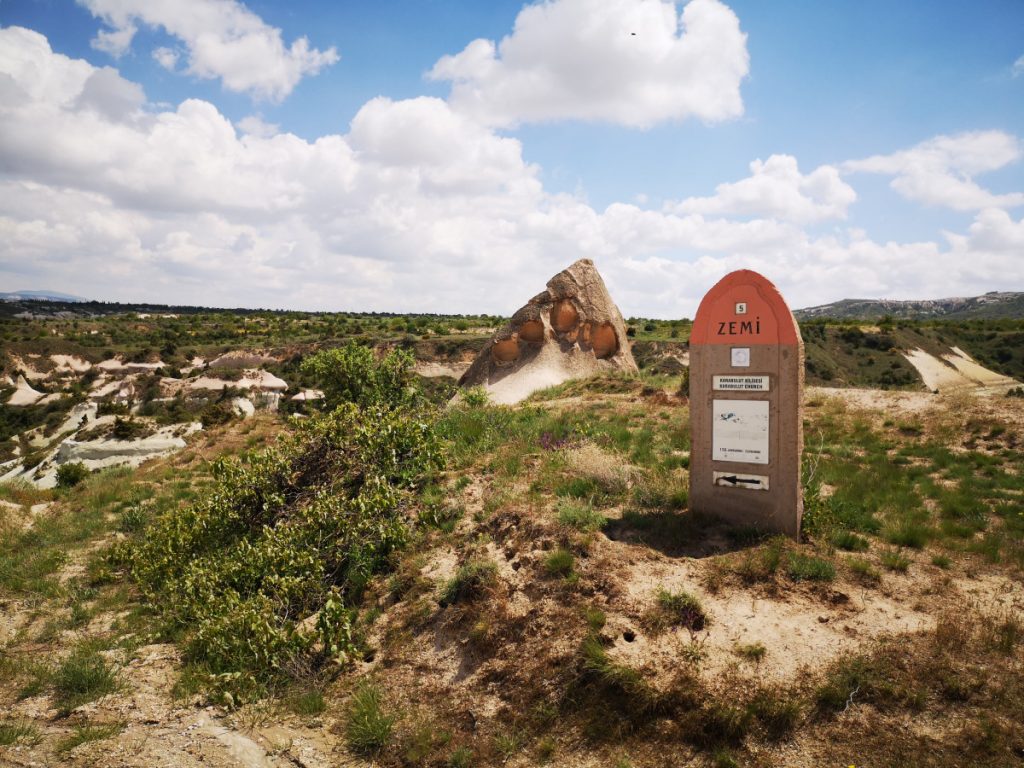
(604, 341)
(564, 316)
(532, 331)
(506, 351)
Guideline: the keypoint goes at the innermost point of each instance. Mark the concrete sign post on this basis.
(746, 415)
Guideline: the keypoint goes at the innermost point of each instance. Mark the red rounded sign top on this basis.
(744, 308)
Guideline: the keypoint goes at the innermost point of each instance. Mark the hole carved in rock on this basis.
(505, 351)
(604, 341)
(532, 331)
(564, 316)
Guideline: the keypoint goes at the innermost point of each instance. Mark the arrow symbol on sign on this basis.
(733, 479)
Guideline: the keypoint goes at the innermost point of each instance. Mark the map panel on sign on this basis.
(740, 383)
(740, 431)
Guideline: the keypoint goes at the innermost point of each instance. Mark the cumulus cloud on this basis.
(166, 57)
(777, 189)
(222, 38)
(940, 171)
(631, 62)
(418, 207)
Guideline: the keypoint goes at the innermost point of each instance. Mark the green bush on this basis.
(294, 530)
(475, 397)
(352, 374)
(71, 474)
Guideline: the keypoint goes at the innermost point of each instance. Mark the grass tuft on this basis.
(82, 677)
(560, 563)
(801, 567)
(19, 732)
(677, 609)
(368, 729)
(82, 734)
(469, 582)
(581, 515)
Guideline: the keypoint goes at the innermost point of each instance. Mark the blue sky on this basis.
(339, 173)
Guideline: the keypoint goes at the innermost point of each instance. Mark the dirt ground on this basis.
(432, 658)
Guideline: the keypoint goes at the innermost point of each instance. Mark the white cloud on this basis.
(1018, 67)
(777, 189)
(994, 231)
(418, 208)
(166, 58)
(632, 62)
(255, 125)
(223, 39)
(940, 171)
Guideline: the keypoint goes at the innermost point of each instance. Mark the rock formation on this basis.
(570, 331)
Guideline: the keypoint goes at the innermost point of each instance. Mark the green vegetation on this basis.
(83, 676)
(677, 609)
(352, 374)
(754, 652)
(273, 569)
(290, 531)
(71, 474)
(368, 728)
(469, 582)
(580, 515)
(560, 562)
(84, 733)
(18, 732)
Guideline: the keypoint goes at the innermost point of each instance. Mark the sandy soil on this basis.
(24, 394)
(433, 369)
(256, 379)
(954, 372)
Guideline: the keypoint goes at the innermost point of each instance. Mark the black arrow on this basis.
(733, 479)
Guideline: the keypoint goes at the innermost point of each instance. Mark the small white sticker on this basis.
(741, 307)
(741, 357)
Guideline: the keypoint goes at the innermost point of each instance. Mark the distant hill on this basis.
(40, 296)
(993, 305)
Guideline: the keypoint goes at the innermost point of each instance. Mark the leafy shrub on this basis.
(71, 474)
(217, 413)
(475, 397)
(352, 374)
(290, 531)
(129, 429)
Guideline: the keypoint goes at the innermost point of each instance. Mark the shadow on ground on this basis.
(682, 533)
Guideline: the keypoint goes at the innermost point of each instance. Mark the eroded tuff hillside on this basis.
(556, 603)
